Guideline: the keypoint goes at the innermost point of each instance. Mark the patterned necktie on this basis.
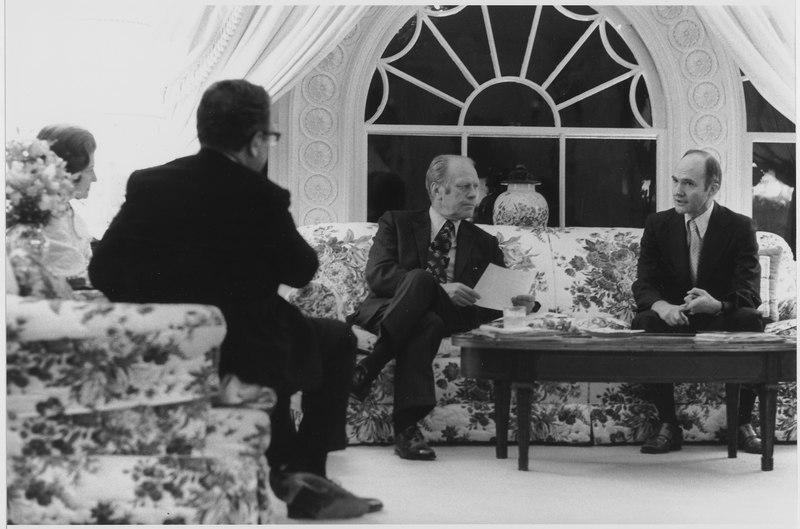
(694, 241)
(438, 250)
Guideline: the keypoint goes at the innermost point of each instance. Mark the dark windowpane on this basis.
(774, 173)
(761, 116)
(618, 44)
(495, 157)
(466, 34)
(409, 104)
(511, 26)
(430, 63)
(610, 183)
(510, 104)
(373, 96)
(590, 67)
(609, 108)
(406, 159)
(554, 38)
(403, 37)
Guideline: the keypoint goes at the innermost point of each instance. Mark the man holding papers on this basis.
(421, 271)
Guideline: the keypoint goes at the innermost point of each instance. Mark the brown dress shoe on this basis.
(748, 440)
(668, 438)
(410, 444)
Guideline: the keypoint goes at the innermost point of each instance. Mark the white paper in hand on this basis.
(498, 285)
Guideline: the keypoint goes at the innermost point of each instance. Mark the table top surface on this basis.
(623, 342)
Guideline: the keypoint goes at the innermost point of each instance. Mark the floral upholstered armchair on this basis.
(110, 417)
(582, 278)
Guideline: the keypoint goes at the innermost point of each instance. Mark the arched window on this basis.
(554, 88)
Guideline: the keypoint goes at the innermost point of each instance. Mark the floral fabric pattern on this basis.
(582, 276)
(109, 418)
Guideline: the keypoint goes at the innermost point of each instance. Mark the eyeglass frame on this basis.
(273, 137)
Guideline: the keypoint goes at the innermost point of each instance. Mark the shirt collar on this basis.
(437, 221)
(701, 220)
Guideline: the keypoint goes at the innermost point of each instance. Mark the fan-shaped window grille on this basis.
(554, 88)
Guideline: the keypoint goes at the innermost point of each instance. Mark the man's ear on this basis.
(252, 145)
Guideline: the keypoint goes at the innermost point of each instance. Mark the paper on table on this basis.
(498, 285)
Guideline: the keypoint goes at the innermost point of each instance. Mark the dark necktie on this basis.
(438, 250)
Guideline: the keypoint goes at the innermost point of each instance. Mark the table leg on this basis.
(767, 406)
(502, 405)
(524, 394)
(732, 412)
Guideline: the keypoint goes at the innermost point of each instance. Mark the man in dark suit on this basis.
(421, 271)
(698, 271)
(211, 229)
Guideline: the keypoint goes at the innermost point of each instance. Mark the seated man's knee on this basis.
(747, 319)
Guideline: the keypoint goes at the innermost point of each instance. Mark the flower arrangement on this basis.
(38, 185)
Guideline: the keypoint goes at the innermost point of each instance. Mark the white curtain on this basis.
(762, 42)
(270, 45)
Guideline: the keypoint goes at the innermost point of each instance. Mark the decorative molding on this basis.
(707, 128)
(318, 215)
(686, 34)
(668, 14)
(706, 95)
(319, 88)
(318, 155)
(320, 189)
(318, 122)
(334, 62)
(699, 64)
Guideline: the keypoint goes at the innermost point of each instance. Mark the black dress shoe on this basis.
(410, 444)
(748, 440)
(362, 383)
(669, 438)
(309, 496)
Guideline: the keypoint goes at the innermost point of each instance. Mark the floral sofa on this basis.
(582, 273)
(111, 416)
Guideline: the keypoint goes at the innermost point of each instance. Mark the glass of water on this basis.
(514, 318)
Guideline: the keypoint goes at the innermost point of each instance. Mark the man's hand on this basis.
(698, 301)
(673, 315)
(461, 294)
(524, 300)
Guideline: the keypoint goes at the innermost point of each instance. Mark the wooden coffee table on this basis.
(519, 361)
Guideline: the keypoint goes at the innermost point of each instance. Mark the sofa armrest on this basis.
(98, 355)
(35, 319)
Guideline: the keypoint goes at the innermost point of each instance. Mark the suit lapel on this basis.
(714, 242)
(422, 234)
(464, 244)
(677, 238)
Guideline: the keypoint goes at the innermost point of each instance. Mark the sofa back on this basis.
(580, 272)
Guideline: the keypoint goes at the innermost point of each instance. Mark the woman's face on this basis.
(83, 179)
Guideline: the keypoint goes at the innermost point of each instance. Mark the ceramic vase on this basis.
(521, 205)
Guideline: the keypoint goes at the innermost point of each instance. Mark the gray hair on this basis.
(437, 170)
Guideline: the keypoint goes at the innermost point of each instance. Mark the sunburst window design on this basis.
(505, 65)
(554, 88)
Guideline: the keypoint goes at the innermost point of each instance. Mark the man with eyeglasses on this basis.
(210, 229)
(421, 271)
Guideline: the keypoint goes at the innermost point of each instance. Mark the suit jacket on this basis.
(401, 244)
(728, 268)
(205, 229)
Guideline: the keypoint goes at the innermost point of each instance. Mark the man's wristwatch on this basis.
(723, 308)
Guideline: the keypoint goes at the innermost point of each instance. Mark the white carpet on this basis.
(610, 486)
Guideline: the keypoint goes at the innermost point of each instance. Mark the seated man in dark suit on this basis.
(420, 272)
(698, 271)
(211, 229)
